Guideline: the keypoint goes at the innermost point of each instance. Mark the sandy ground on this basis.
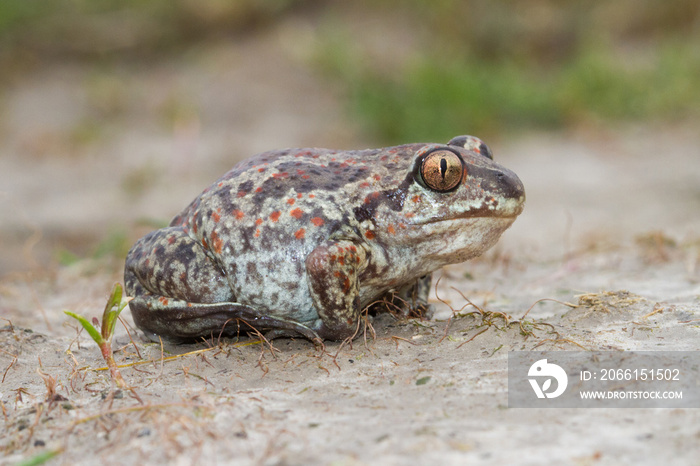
(89, 151)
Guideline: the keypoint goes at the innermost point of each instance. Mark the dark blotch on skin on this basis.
(251, 268)
(394, 198)
(246, 186)
(306, 186)
(291, 286)
(321, 178)
(271, 188)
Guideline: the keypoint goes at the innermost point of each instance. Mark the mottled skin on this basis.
(298, 241)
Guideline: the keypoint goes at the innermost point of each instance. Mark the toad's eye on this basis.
(441, 170)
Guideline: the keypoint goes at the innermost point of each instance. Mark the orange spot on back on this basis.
(369, 234)
(238, 214)
(297, 213)
(390, 229)
(372, 196)
(274, 216)
(217, 242)
(318, 221)
(300, 233)
(258, 221)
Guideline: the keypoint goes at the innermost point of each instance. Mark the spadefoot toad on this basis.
(298, 241)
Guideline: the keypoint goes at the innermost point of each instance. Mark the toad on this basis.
(299, 241)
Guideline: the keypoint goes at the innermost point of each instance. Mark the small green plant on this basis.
(41, 458)
(103, 337)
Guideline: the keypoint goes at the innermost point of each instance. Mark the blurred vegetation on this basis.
(447, 67)
(483, 66)
(91, 28)
(115, 245)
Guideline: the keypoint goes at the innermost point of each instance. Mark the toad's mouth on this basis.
(457, 218)
(508, 210)
(465, 225)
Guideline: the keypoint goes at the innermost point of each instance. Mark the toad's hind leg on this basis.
(167, 273)
(170, 263)
(180, 293)
(179, 321)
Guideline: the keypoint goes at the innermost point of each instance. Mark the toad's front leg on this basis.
(411, 299)
(333, 269)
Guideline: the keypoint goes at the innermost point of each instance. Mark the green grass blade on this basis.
(40, 458)
(87, 326)
(109, 317)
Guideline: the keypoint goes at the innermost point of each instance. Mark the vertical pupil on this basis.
(443, 167)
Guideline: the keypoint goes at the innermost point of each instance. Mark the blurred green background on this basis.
(487, 65)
